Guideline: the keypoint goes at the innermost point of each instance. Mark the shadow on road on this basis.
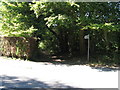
(14, 83)
(106, 69)
(17, 83)
(23, 82)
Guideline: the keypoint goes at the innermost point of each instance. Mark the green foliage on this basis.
(70, 17)
(17, 19)
(18, 47)
(58, 25)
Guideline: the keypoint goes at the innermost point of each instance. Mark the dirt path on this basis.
(26, 74)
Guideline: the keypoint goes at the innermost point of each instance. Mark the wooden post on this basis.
(87, 37)
(88, 48)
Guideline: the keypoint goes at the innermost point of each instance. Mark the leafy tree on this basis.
(61, 26)
(17, 19)
(66, 20)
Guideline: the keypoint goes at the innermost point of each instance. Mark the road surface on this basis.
(26, 74)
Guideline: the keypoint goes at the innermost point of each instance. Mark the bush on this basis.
(21, 47)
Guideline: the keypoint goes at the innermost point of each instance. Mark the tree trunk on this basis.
(70, 41)
(106, 39)
(82, 43)
(63, 42)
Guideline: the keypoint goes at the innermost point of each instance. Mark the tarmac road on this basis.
(26, 74)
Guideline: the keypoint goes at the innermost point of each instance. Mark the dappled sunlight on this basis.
(59, 60)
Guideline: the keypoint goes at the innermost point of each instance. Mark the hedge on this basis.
(21, 47)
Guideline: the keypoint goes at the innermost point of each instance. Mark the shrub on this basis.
(21, 47)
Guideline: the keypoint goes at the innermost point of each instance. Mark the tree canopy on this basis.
(61, 26)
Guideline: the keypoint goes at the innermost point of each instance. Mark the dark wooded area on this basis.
(60, 27)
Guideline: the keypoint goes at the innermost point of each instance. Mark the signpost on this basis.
(87, 37)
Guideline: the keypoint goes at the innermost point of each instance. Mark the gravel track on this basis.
(26, 74)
